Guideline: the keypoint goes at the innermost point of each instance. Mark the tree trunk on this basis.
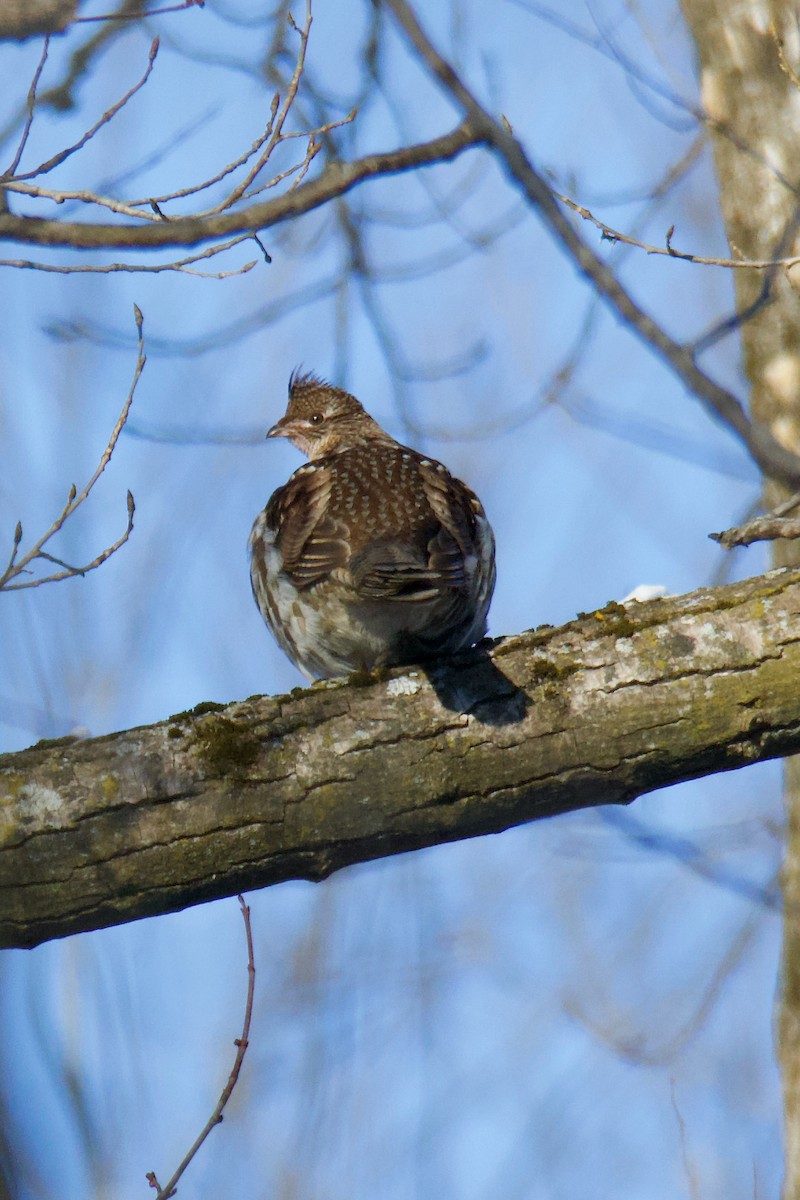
(749, 56)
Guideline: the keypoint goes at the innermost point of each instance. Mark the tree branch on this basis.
(334, 181)
(221, 800)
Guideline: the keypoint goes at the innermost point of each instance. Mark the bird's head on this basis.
(322, 419)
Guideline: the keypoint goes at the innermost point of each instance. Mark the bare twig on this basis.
(23, 188)
(138, 207)
(182, 265)
(241, 1043)
(688, 1171)
(737, 319)
(75, 499)
(312, 150)
(148, 209)
(610, 234)
(761, 529)
(31, 107)
(112, 268)
(272, 137)
(280, 119)
(226, 170)
(765, 528)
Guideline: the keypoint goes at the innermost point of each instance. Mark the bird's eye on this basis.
(317, 418)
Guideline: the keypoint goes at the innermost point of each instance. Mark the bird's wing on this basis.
(310, 543)
(439, 555)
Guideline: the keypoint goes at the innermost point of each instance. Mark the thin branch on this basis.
(688, 1170)
(181, 265)
(31, 107)
(766, 293)
(70, 572)
(74, 500)
(767, 528)
(169, 1189)
(14, 549)
(610, 234)
(231, 166)
(280, 119)
(23, 188)
(193, 189)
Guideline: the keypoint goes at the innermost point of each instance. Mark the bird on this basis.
(371, 555)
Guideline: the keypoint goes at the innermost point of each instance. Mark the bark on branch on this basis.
(221, 800)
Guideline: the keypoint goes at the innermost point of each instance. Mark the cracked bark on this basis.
(754, 108)
(216, 801)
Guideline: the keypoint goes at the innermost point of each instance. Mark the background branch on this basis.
(242, 1042)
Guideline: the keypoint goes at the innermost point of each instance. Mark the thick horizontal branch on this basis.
(221, 800)
(335, 180)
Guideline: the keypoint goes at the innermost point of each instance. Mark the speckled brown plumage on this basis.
(371, 554)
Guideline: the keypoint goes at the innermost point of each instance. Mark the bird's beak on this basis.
(293, 429)
(282, 428)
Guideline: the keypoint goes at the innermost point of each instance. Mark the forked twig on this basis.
(668, 250)
(241, 1043)
(74, 500)
(278, 121)
(182, 193)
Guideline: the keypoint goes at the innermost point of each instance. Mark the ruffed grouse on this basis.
(371, 554)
